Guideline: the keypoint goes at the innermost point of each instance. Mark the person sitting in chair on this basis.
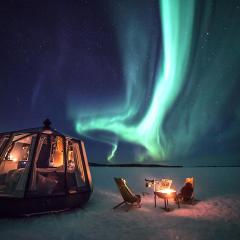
(186, 192)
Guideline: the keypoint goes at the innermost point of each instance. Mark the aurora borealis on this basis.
(141, 80)
(171, 62)
(168, 77)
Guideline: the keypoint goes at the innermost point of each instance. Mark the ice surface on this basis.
(216, 216)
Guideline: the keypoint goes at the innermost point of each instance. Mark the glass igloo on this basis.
(42, 170)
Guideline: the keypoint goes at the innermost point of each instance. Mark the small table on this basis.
(166, 194)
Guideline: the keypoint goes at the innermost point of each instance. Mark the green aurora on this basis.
(156, 74)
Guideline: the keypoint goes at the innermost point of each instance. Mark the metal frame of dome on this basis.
(30, 204)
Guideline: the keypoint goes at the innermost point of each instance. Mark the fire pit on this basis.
(166, 194)
(162, 190)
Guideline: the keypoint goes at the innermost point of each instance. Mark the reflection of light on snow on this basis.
(212, 209)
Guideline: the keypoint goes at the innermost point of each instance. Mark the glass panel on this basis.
(75, 172)
(15, 164)
(56, 159)
(3, 142)
(86, 164)
(48, 170)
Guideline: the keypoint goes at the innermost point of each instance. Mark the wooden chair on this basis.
(129, 198)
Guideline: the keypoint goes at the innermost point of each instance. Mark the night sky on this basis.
(139, 81)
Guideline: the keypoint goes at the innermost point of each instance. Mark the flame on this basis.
(167, 191)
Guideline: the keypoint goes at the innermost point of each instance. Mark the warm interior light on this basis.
(57, 158)
(13, 158)
(47, 132)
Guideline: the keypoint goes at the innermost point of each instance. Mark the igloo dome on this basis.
(42, 170)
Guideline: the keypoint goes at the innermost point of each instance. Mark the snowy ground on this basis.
(216, 216)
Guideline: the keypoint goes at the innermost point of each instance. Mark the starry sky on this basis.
(150, 81)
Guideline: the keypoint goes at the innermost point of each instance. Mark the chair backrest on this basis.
(126, 193)
(190, 180)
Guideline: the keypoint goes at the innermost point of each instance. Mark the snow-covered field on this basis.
(216, 216)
